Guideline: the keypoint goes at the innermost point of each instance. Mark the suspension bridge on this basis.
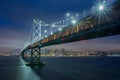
(102, 20)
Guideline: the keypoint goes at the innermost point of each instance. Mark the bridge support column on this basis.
(35, 57)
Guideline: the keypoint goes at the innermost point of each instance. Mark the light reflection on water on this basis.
(14, 68)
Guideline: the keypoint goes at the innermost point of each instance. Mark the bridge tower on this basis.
(35, 36)
(36, 30)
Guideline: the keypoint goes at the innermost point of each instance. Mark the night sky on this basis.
(16, 18)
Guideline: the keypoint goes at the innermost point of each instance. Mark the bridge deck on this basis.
(102, 30)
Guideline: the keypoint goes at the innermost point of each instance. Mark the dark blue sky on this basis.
(16, 21)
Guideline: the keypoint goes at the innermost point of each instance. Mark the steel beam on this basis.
(35, 59)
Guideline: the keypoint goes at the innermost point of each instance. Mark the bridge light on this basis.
(45, 31)
(73, 21)
(101, 7)
(67, 19)
(53, 25)
(77, 14)
(51, 33)
(72, 17)
(60, 29)
(63, 20)
(68, 14)
(46, 36)
(59, 22)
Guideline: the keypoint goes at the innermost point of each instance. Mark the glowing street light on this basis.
(77, 14)
(53, 25)
(67, 19)
(59, 22)
(73, 21)
(46, 36)
(63, 21)
(68, 14)
(51, 33)
(60, 29)
(45, 31)
(101, 7)
(101, 10)
(72, 17)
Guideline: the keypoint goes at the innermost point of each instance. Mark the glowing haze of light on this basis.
(101, 10)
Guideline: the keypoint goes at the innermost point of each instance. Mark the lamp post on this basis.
(45, 33)
(67, 18)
